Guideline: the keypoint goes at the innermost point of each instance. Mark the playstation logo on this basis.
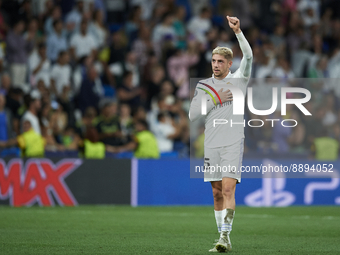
(272, 192)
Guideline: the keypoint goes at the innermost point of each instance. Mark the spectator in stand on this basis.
(116, 55)
(98, 30)
(70, 139)
(280, 136)
(324, 147)
(127, 93)
(74, 18)
(147, 7)
(30, 142)
(91, 146)
(167, 92)
(309, 11)
(278, 38)
(179, 26)
(118, 47)
(86, 121)
(154, 86)
(265, 65)
(116, 10)
(157, 14)
(165, 133)
(151, 62)
(42, 8)
(61, 73)
(3, 25)
(2, 59)
(335, 132)
(320, 70)
(181, 124)
(13, 104)
(178, 68)
(133, 24)
(56, 41)
(39, 66)
(5, 83)
(298, 135)
(224, 41)
(108, 125)
(165, 31)
(33, 29)
(46, 129)
(139, 114)
(82, 44)
(144, 143)
(200, 25)
(142, 46)
(59, 120)
(91, 90)
(33, 107)
(131, 65)
(125, 119)
(330, 114)
(17, 52)
(6, 129)
(314, 124)
(50, 126)
(25, 11)
(152, 116)
(49, 23)
(283, 71)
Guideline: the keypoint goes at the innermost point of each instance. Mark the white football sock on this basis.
(228, 221)
(219, 216)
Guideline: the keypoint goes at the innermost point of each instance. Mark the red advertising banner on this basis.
(64, 181)
(35, 181)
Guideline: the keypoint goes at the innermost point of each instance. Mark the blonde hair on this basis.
(223, 51)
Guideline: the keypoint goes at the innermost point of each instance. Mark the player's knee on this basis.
(228, 192)
(217, 193)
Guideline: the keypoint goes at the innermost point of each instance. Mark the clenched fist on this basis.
(234, 24)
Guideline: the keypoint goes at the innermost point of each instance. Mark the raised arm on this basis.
(247, 59)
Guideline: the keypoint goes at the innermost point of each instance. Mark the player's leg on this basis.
(211, 158)
(228, 191)
(219, 205)
(232, 161)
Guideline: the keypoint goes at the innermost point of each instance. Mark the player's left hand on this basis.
(234, 24)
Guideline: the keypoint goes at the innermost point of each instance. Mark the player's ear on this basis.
(230, 63)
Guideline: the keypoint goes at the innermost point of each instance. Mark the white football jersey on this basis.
(229, 128)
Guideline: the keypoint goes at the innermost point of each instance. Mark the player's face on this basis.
(220, 65)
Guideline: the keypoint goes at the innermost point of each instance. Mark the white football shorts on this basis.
(223, 162)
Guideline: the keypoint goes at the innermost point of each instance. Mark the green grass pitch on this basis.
(166, 230)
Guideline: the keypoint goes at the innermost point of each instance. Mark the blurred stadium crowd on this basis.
(96, 75)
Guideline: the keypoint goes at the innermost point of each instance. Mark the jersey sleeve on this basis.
(247, 59)
(195, 111)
